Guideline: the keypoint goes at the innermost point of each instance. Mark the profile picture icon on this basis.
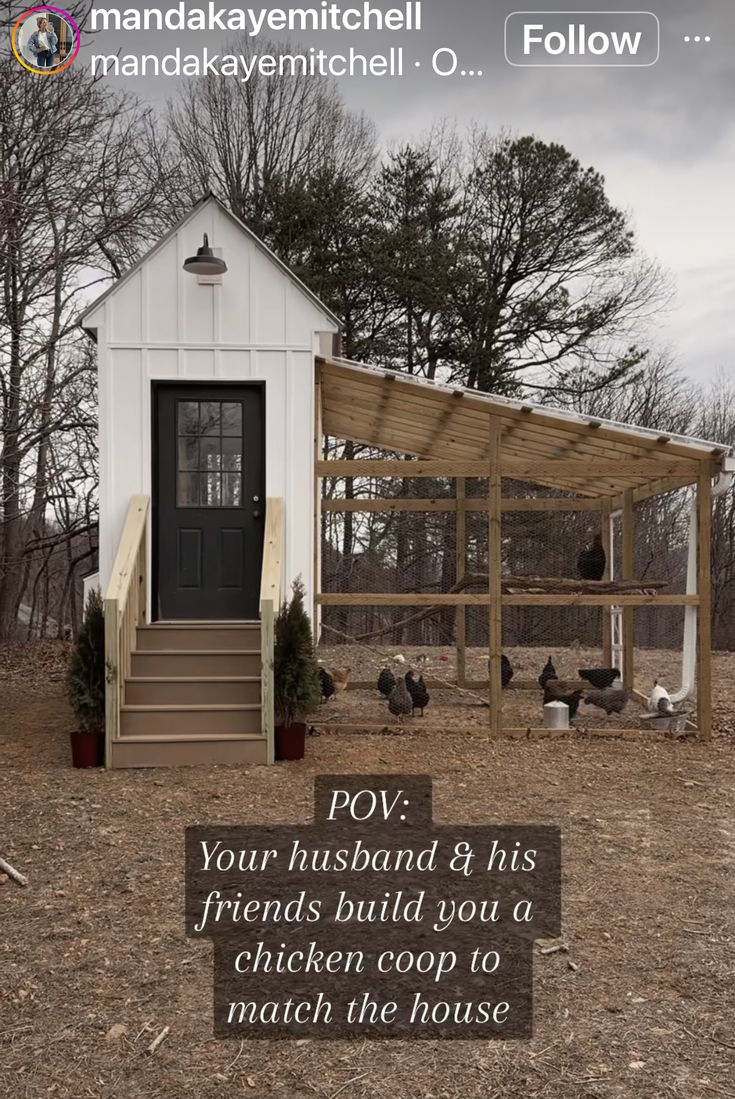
(45, 40)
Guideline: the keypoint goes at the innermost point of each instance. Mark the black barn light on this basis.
(205, 262)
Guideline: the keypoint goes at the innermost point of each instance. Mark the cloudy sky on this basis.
(663, 136)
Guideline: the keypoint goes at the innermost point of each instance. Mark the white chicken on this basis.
(659, 701)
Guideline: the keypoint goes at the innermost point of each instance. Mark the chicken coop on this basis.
(449, 539)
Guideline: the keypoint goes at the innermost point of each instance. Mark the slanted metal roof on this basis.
(429, 419)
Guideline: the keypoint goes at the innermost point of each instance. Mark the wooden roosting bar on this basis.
(600, 466)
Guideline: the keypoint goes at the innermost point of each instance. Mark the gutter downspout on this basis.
(723, 483)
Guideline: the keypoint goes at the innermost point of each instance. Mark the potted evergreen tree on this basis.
(295, 675)
(86, 687)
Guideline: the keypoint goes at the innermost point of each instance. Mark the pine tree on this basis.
(295, 668)
(416, 208)
(86, 676)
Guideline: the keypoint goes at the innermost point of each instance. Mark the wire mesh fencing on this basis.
(426, 538)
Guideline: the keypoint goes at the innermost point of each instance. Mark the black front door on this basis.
(210, 500)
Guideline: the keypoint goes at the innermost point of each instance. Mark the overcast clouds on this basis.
(664, 136)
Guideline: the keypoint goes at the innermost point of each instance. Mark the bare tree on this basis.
(249, 141)
(67, 222)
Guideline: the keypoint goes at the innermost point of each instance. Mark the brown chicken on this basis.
(556, 690)
(340, 678)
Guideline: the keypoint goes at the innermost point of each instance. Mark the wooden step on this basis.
(174, 722)
(198, 636)
(191, 751)
(199, 664)
(191, 690)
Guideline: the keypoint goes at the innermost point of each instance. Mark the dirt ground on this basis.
(95, 962)
(450, 708)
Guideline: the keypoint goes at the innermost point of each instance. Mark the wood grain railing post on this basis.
(112, 676)
(271, 580)
(267, 707)
(124, 610)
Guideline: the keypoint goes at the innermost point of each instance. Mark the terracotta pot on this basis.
(290, 740)
(87, 749)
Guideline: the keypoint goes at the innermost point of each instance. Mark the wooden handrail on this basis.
(127, 551)
(270, 602)
(124, 606)
(272, 570)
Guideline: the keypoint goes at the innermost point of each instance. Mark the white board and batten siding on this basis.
(160, 324)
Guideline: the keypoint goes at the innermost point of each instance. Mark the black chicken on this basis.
(386, 682)
(599, 677)
(547, 672)
(326, 683)
(506, 670)
(591, 561)
(418, 692)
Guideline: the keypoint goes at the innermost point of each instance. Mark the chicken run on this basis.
(480, 558)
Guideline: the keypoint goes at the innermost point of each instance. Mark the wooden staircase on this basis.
(193, 696)
(183, 693)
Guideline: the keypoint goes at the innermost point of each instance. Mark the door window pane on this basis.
(188, 418)
(209, 419)
(231, 418)
(210, 454)
(188, 453)
(187, 490)
(232, 454)
(209, 440)
(209, 488)
(232, 490)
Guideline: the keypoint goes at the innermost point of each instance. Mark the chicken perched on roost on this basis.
(400, 702)
(386, 682)
(591, 561)
(326, 684)
(547, 672)
(340, 677)
(418, 692)
(557, 691)
(599, 677)
(612, 700)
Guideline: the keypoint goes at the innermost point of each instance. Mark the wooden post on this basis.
(494, 567)
(142, 615)
(267, 715)
(317, 611)
(112, 676)
(628, 571)
(460, 618)
(704, 614)
(607, 654)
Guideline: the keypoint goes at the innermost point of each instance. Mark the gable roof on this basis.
(429, 419)
(207, 199)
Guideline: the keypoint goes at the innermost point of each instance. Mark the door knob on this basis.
(256, 514)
